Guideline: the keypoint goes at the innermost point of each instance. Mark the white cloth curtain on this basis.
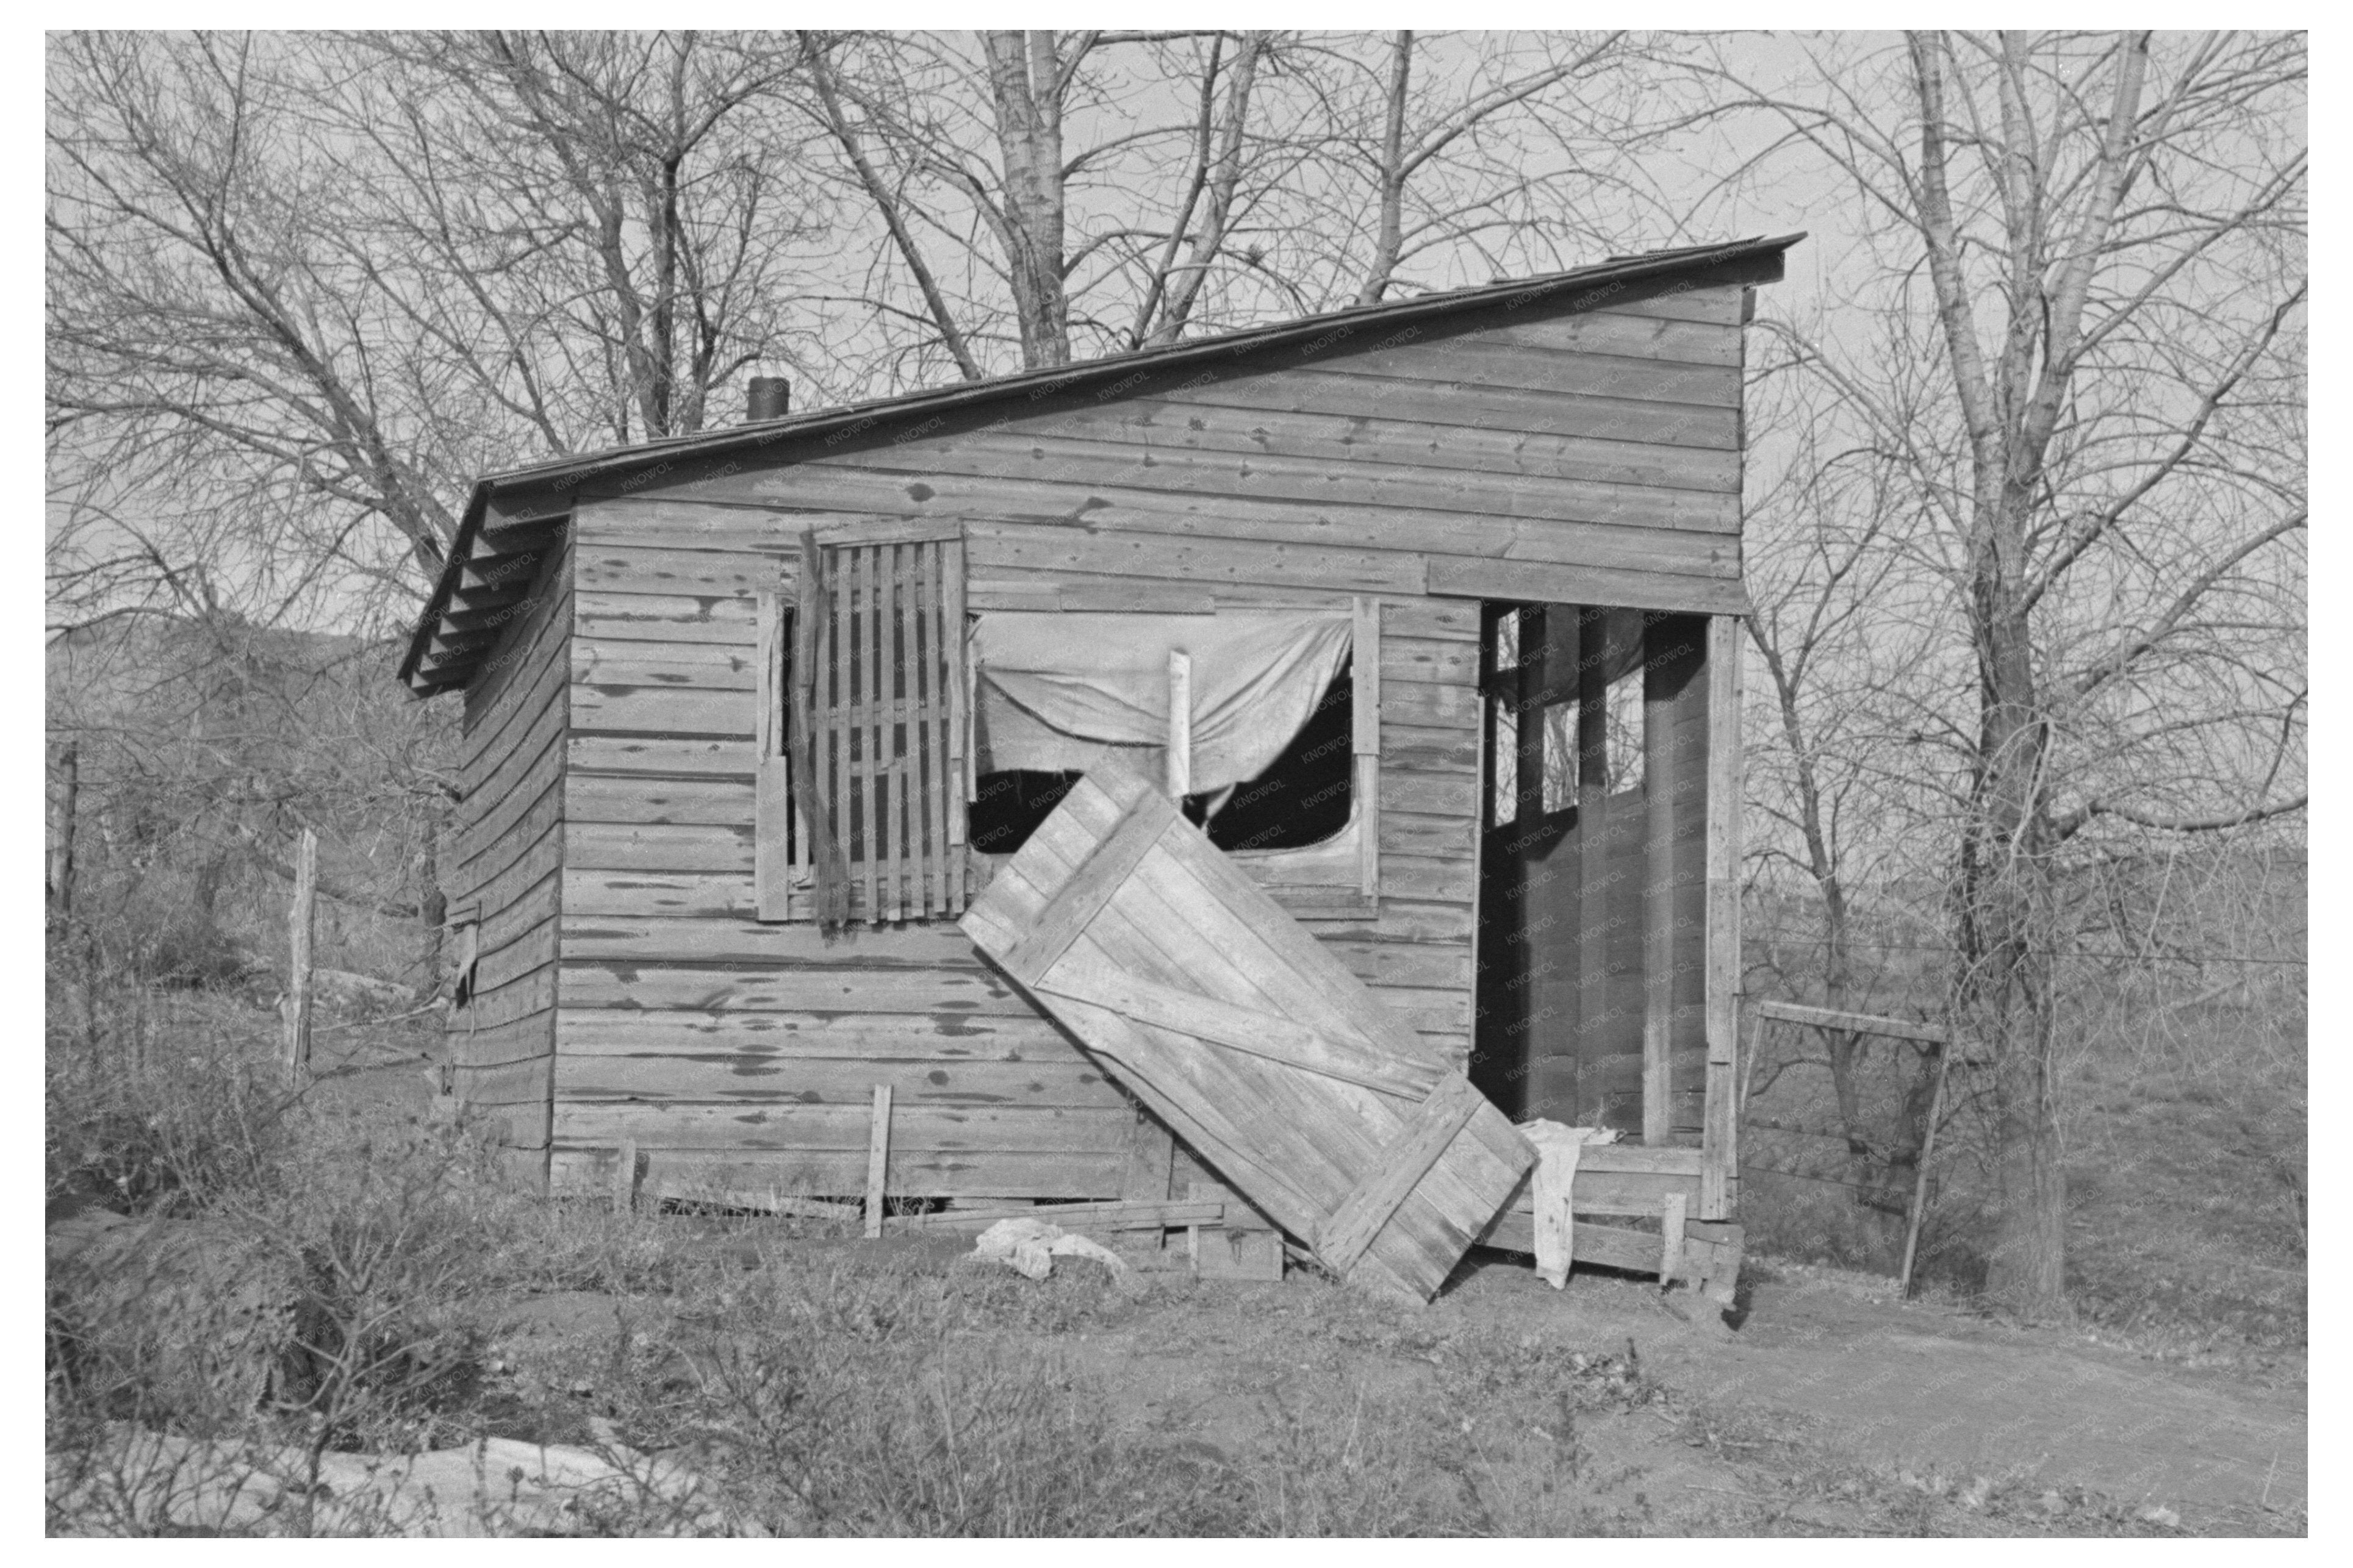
(1063, 691)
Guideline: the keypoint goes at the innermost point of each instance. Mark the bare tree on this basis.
(2107, 484)
(306, 287)
(1145, 185)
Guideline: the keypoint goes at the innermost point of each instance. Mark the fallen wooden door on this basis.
(1251, 1042)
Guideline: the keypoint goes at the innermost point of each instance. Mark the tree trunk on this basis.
(1392, 238)
(432, 904)
(2004, 991)
(1025, 76)
(61, 832)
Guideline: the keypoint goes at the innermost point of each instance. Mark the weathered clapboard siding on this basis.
(506, 867)
(1597, 454)
(1306, 469)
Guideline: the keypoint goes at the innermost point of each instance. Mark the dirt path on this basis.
(1930, 1389)
(1608, 1409)
(1890, 1389)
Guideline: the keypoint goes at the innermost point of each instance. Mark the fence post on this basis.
(298, 966)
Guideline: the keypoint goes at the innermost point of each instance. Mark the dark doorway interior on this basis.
(1591, 896)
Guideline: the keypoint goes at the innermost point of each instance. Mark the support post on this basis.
(1721, 1169)
(300, 927)
(878, 1158)
(1592, 853)
(1720, 1135)
(1920, 1177)
(1659, 802)
(1670, 1238)
(625, 1178)
(1179, 770)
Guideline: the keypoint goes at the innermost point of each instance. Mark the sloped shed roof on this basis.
(471, 587)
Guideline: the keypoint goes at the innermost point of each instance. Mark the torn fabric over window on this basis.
(1058, 691)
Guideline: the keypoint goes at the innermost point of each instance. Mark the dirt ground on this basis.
(1820, 1406)
(1830, 1409)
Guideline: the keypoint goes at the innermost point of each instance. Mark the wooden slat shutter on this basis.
(871, 737)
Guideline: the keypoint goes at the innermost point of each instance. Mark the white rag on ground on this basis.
(1058, 691)
(1030, 1245)
(1558, 1149)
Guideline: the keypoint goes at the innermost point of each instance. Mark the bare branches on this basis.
(886, 204)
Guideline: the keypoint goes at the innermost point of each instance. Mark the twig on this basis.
(371, 1023)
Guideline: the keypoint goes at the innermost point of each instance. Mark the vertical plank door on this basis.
(1247, 1038)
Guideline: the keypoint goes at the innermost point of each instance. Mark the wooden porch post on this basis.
(1592, 855)
(1719, 1193)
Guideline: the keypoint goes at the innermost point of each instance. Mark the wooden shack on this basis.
(1429, 612)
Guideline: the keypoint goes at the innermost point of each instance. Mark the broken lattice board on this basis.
(1253, 1043)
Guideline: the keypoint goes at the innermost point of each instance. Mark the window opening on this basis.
(862, 771)
(1520, 674)
(1305, 797)
(1010, 805)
